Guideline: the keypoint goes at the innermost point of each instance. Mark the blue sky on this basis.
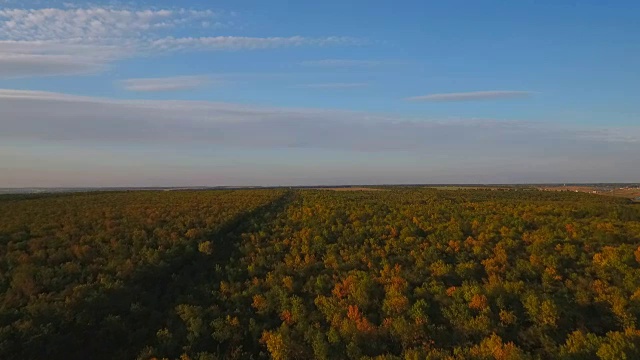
(285, 93)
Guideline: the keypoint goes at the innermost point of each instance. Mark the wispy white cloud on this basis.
(21, 65)
(472, 96)
(94, 24)
(166, 84)
(333, 85)
(78, 40)
(19, 58)
(333, 63)
(244, 43)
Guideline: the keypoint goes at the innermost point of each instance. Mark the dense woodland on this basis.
(402, 273)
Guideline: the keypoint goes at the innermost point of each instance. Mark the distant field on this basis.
(462, 187)
(349, 189)
(629, 193)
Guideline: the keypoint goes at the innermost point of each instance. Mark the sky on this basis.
(208, 93)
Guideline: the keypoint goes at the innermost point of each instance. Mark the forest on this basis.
(399, 273)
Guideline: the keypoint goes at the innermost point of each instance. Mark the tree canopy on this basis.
(404, 273)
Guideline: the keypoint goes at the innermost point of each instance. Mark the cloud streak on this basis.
(231, 43)
(472, 96)
(338, 63)
(174, 83)
(25, 65)
(20, 58)
(333, 85)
